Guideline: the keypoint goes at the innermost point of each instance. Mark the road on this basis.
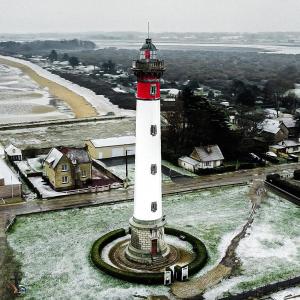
(180, 185)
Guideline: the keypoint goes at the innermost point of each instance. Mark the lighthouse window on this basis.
(154, 206)
(153, 169)
(153, 130)
(153, 90)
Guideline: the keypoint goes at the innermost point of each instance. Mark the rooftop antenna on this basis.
(148, 30)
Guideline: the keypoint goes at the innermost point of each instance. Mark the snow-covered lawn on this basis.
(271, 250)
(53, 248)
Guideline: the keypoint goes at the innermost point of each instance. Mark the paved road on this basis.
(184, 185)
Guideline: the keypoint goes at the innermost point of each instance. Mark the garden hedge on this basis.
(283, 184)
(146, 278)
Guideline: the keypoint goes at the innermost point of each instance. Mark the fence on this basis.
(265, 290)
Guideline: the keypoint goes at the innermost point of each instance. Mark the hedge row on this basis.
(230, 168)
(297, 174)
(147, 278)
(283, 184)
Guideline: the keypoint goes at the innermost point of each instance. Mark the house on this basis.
(10, 185)
(286, 146)
(13, 153)
(188, 163)
(290, 123)
(111, 147)
(203, 157)
(68, 168)
(273, 131)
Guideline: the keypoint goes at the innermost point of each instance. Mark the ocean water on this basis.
(23, 100)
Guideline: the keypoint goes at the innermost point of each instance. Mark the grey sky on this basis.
(132, 15)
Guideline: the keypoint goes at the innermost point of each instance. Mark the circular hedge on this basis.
(146, 278)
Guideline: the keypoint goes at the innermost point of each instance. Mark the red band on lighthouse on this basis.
(148, 91)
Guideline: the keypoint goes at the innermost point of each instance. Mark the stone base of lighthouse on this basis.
(147, 244)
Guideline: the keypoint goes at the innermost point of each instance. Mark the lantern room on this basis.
(148, 51)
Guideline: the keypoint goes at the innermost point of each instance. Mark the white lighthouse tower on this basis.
(147, 244)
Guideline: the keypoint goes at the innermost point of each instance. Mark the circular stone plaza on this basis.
(148, 252)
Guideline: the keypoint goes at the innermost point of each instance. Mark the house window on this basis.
(153, 130)
(154, 206)
(65, 179)
(153, 169)
(153, 90)
(83, 173)
(64, 167)
(207, 163)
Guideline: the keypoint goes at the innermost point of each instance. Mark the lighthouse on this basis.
(147, 244)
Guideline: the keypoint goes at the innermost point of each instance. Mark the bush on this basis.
(297, 174)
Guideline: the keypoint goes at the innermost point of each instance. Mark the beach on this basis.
(79, 105)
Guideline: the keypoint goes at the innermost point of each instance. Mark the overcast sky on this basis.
(24, 16)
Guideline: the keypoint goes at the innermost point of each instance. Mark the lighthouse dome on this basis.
(148, 50)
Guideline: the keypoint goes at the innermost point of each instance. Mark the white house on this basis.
(203, 157)
(286, 146)
(188, 163)
(111, 147)
(13, 153)
(10, 185)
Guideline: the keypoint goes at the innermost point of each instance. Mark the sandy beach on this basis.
(78, 104)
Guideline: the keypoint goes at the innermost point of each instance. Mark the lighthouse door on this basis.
(154, 247)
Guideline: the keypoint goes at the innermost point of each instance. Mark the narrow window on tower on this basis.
(153, 169)
(154, 206)
(153, 90)
(153, 130)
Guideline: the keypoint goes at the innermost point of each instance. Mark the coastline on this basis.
(79, 105)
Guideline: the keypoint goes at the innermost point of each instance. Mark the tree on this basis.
(73, 61)
(196, 122)
(53, 56)
(109, 67)
(275, 91)
(65, 57)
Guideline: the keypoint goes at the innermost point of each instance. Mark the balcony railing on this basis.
(157, 65)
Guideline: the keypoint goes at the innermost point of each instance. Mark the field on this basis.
(67, 135)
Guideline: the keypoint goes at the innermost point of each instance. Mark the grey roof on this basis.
(76, 155)
(189, 160)
(12, 150)
(54, 157)
(290, 143)
(115, 141)
(289, 122)
(148, 45)
(270, 125)
(209, 153)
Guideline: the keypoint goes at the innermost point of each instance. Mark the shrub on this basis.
(297, 174)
